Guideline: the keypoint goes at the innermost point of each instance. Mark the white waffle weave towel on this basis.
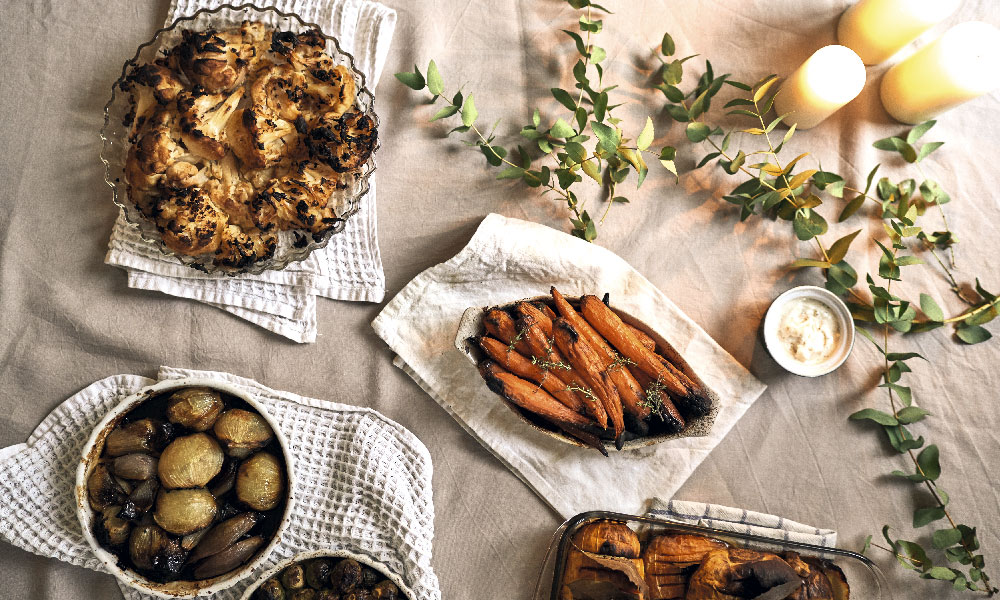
(348, 268)
(738, 520)
(363, 482)
(508, 259)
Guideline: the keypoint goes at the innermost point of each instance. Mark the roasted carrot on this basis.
(501, 326)
(666, 410)
(544, 350)
(589, 439)
(526, 309)
(607, 323)
(587, 362)
(629, 390)
(516, 363)
(546, 309)
(529, 396)
(643, 337)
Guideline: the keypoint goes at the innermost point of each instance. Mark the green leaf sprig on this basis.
(770, 187)
(588, 141)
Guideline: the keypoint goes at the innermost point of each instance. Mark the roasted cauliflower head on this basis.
(241, 134)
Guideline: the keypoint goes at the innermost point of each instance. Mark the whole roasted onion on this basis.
(242, 432)
(194, 408)
(185, 511)
(260, 482)
(190, 461)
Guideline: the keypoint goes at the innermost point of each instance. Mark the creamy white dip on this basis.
(809, 331)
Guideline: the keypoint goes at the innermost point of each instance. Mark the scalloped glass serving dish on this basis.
(866, 580)
(293, 245)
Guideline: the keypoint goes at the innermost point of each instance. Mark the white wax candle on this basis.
(829, 79)
(962, 64)
(877, 29)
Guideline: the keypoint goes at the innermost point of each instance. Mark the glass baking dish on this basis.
(864, 578)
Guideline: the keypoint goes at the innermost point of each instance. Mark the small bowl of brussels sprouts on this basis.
(328, 575)
(185, 487)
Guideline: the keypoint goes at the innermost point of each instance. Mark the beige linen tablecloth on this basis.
(66, 319)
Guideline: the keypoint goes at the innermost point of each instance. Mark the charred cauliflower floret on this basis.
(260, 140)
(277, 90)
(203, 121)
(217, 61)
(230, 191)
(328, 87)
(189, 221)
(239, 249)
(345, 143)
(298, 200)
(150, 87)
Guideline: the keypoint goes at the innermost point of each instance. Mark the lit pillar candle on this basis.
(829, 79)
(962, 64)
(877, 29)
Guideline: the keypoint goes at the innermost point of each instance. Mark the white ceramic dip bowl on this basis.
(843, 319)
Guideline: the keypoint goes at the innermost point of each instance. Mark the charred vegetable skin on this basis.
(166, 489)
(578, 369)
(239, 134)
(328, 579)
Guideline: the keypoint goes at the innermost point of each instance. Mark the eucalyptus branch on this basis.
(564, 159)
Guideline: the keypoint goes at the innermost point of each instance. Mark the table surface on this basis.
(67, 319)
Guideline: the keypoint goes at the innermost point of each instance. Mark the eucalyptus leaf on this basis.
(412, 80)
(469, 112)
(927, 148)
(667, 46)
(871, 414)
(435, 84)
(646, 137)
(925, 516)
(944, 538)
(608, 137)
(972, 334)
(931, 308)
(697, 132)
(918, 132)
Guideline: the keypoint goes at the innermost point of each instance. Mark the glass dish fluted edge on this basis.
(865, 577)
(114, 137)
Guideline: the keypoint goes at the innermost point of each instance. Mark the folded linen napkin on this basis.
(348, 268)
(363, 482)
(738, 520)
(508, 259)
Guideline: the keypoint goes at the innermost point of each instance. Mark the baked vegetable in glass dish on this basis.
(602, 555)
(239, 139)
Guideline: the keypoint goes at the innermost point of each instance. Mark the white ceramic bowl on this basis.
(95, 446)
(772, 320)
(329, 553)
